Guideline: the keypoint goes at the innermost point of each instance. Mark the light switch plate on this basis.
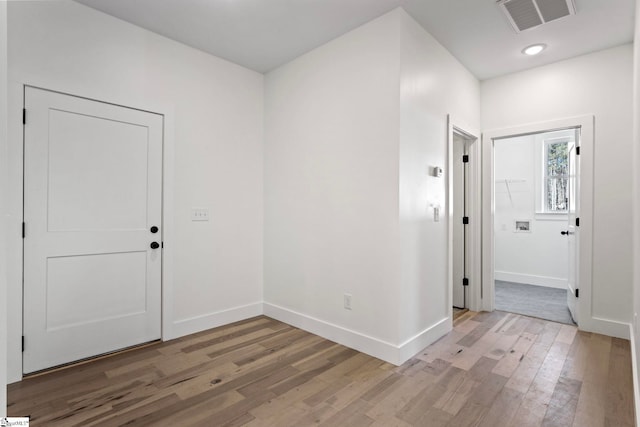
(199, 214)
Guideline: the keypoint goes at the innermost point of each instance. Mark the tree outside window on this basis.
(556, 176)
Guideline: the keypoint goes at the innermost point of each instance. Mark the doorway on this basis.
(460, 236)
(533, 177)
(464, 212)
(92, 237)
(537, 211)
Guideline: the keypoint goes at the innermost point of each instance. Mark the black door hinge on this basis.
(162, 244)
(23, 343)
(465, 220)
(577, 151)
(24, 116)
(24, 230)
(577, 293)
(465, 158)
(465, 282)
(577, 222)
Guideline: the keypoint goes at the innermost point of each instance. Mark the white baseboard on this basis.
(612, 328)
(394, 354)
(634, 370)
(213, 320)
(530, 279)
(420, 341)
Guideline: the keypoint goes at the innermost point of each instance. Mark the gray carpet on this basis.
(536, 301)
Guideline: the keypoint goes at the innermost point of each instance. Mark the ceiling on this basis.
(264, 34)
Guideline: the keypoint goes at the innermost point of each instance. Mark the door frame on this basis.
(15, 160)
(585, 247)
(474, 205)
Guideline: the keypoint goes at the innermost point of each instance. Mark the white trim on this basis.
(14, 240)
(611, 328)
(586, 320)
(418, 342)
(548, 216)
(474, 291)
(168, 180)
(530, 279)
(392, 353)
(213, 320)
(634, 370)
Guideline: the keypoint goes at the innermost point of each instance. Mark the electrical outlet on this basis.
(347, 301)
(199, 214)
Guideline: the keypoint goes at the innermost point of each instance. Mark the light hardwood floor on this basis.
(493, 369)
(457, 312)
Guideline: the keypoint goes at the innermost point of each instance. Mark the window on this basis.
(556, 176)
(553, 153)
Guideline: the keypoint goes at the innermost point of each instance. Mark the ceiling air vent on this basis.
(525, 14)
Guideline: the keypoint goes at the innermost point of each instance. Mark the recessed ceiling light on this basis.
(534, 49)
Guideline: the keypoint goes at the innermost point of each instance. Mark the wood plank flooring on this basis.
(493, 369)
(457, 312)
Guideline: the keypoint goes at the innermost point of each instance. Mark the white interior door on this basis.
(572, 230)
(92, 193)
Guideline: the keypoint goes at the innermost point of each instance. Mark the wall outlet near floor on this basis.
(199, 214)
(347, 301)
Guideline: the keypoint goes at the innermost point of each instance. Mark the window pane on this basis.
(557, 159)
(556, 170)
(557, 194)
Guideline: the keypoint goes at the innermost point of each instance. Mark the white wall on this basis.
(351, 129)
(213, 147)
(331, 183)
(598, 84)
(3, 184)
(432, 85)
(539, 257)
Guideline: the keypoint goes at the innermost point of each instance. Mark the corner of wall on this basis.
(433, 85)
(395, 354)
(331, 228)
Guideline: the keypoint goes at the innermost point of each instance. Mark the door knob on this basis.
(565, 233)
(155, 245)
(154, 229)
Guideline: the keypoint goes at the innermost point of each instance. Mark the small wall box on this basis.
(522, 226)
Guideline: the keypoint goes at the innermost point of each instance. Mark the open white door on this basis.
(572, 231)
(92, 212)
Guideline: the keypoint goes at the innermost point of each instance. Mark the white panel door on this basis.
(572, 230)
(92, 193)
